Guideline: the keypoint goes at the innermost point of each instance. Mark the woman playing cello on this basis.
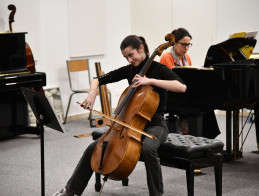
(161, 78)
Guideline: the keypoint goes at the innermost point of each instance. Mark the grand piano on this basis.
(228, 81)
(14, 75)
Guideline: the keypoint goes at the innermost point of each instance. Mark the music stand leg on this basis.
(256, 120)
(46, 116)
(40, 124)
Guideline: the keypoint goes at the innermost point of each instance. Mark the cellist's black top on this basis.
(156, 71)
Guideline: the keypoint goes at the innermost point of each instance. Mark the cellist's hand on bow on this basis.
(138, 81)
(90, 99)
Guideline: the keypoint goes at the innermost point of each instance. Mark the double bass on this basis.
(118, 150)
(30, 63)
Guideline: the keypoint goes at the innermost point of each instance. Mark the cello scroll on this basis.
(171, 41)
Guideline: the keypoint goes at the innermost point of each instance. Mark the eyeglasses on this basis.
(185, 44)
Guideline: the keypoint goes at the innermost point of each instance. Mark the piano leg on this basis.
(237, 153)
(228, 132)
(232, 154)
(256, 114)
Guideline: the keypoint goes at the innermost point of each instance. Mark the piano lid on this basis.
(229, 51)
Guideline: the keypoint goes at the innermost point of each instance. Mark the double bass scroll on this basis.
(11, 16)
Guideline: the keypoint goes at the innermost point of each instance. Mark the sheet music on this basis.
(251, 34)
(248, 34)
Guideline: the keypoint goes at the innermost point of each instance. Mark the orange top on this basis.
(167, 59)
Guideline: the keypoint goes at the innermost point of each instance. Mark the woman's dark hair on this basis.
(134, 41)
(180, 33)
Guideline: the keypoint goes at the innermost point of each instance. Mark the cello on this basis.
(118, 150)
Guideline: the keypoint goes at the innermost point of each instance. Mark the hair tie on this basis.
(139, 40)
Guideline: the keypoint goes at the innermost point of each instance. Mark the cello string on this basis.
(127, 98)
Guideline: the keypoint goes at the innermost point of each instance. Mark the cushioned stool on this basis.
(189, 153)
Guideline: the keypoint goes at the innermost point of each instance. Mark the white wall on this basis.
(237, 16)
(86, 27)
(154, 19)
(208, 21)
(151, 19)
(47, 24)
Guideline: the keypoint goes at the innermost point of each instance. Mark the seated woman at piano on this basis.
(178, 53)
(178, 57)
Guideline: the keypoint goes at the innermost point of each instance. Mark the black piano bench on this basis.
(186, 152)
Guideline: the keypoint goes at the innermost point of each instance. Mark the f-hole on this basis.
(121, 136)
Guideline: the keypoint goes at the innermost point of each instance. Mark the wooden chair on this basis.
(80, 65)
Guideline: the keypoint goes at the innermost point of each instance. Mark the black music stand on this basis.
(45, 116)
